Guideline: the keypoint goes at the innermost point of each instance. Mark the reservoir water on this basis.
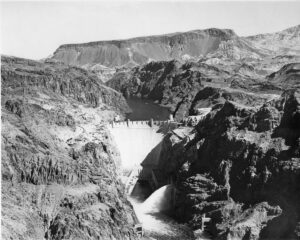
(145, 109)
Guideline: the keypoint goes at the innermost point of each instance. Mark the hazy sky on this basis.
(35, 29)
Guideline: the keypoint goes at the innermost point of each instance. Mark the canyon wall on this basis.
(184, 88)
(192, 45)
(141, 50)
(240, 167)
(60, 167)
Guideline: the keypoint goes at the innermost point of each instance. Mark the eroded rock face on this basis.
(243, 172)
(216, 45)
(287, 77)
(141, 50)
(59, 164)
(65, 80)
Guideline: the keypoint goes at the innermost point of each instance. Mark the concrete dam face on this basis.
(140, 142)
(135, 140)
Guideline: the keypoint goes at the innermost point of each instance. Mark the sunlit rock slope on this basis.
(214, 43)
(141, 50)
(59, 167)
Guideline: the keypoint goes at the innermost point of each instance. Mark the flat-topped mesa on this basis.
(224, 33)
(140, 50)
(214, 32)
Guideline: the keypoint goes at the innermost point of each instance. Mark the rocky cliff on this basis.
(216, 44)
(287, 77)
(136, 51)
(240, 167)
(286, 42)
(59, 164)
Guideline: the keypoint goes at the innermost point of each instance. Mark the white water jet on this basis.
(159, 201)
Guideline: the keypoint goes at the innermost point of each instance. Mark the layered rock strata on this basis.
(60, 175)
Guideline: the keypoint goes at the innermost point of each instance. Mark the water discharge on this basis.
(159, 201)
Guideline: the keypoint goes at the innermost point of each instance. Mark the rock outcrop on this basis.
(287, 77)
(68, 81)
(285, 42)
(241, 169)
(59, 164)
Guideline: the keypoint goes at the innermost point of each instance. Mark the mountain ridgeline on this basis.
(180, 46)
(144, 49)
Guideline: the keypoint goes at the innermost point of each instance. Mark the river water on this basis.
(156, 224)
(144, 109)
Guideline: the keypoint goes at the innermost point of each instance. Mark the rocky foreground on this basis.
(240, 166)
(60, 176)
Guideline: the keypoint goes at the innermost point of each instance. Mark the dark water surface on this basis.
(144, 109)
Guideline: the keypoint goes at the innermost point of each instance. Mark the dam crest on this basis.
(142, 124)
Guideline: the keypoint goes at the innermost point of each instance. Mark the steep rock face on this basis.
(68, 81)
(283, 42)
(287, 77)
(141, 50)
(241, 169)
(59, 164)
(211, 96)
(220, 47)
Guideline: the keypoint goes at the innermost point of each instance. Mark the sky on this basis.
(36, 29)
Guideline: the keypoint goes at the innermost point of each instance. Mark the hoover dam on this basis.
(135, 141)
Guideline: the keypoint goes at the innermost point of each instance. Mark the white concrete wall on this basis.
(134, 143)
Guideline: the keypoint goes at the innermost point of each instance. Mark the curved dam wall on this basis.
(135, 141)
(140, 145)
